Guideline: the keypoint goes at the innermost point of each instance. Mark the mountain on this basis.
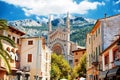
(79, 27)
(25, 22)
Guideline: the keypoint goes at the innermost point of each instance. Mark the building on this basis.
(111, 62)
(35, 58)
(31, 57)
(59, 41)
(15, 35)
(77, 55)
(99, 38)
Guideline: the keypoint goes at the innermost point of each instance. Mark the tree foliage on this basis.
(3, 54)
(80, 69)
(59, 67)
(79, 35)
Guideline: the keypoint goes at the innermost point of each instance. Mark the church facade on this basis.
(59, 41)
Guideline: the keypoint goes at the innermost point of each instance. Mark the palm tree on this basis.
(3, 53)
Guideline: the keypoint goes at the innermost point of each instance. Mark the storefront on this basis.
(114, 74)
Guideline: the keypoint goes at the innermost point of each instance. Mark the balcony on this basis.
(26, 68)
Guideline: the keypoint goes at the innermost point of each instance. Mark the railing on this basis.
(26, 68)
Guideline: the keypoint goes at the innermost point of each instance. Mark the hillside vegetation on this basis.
(79, 35)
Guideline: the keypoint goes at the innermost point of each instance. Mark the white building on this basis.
(31, 57)
(35, 58)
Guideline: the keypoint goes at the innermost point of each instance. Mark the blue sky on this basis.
(35, 9)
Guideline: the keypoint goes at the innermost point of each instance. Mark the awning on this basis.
(103, 74)
(113, 72)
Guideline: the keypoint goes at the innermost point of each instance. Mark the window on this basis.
(29, 58)
(106, 59)
(18, 41)
(115, 54)
(89, 40)
(96, 54)
(76, 60)
(14, 38)
(30, 42)
(76, 53)
(70, 61)
(99, 30)
(9, 36)
(99, 49)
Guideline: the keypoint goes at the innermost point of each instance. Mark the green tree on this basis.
(3, 54)
(59, 67)
(80, 69)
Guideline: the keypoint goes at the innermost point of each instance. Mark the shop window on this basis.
(29, 58)
(30, 42)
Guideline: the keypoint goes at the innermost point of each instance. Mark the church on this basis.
(59, 40)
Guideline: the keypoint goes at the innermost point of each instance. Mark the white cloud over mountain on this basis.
(45, 7)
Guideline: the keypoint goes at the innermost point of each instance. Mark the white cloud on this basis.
(118, 10)
(45, 7)
(37, 18)
(117, 2)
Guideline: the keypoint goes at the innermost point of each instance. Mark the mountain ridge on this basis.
(79, 27)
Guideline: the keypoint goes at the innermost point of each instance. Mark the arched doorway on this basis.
(57, 48)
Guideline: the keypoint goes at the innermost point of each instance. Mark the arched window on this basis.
(17, 56)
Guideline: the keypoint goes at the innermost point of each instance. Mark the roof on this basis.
(98, 22)
(79, 50)
(14, 29)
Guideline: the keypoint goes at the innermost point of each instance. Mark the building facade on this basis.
(31, 57)
(59, 41)
(36, 56)
(110, 69)
(15, 35)
(99, 38)
(77, 55)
